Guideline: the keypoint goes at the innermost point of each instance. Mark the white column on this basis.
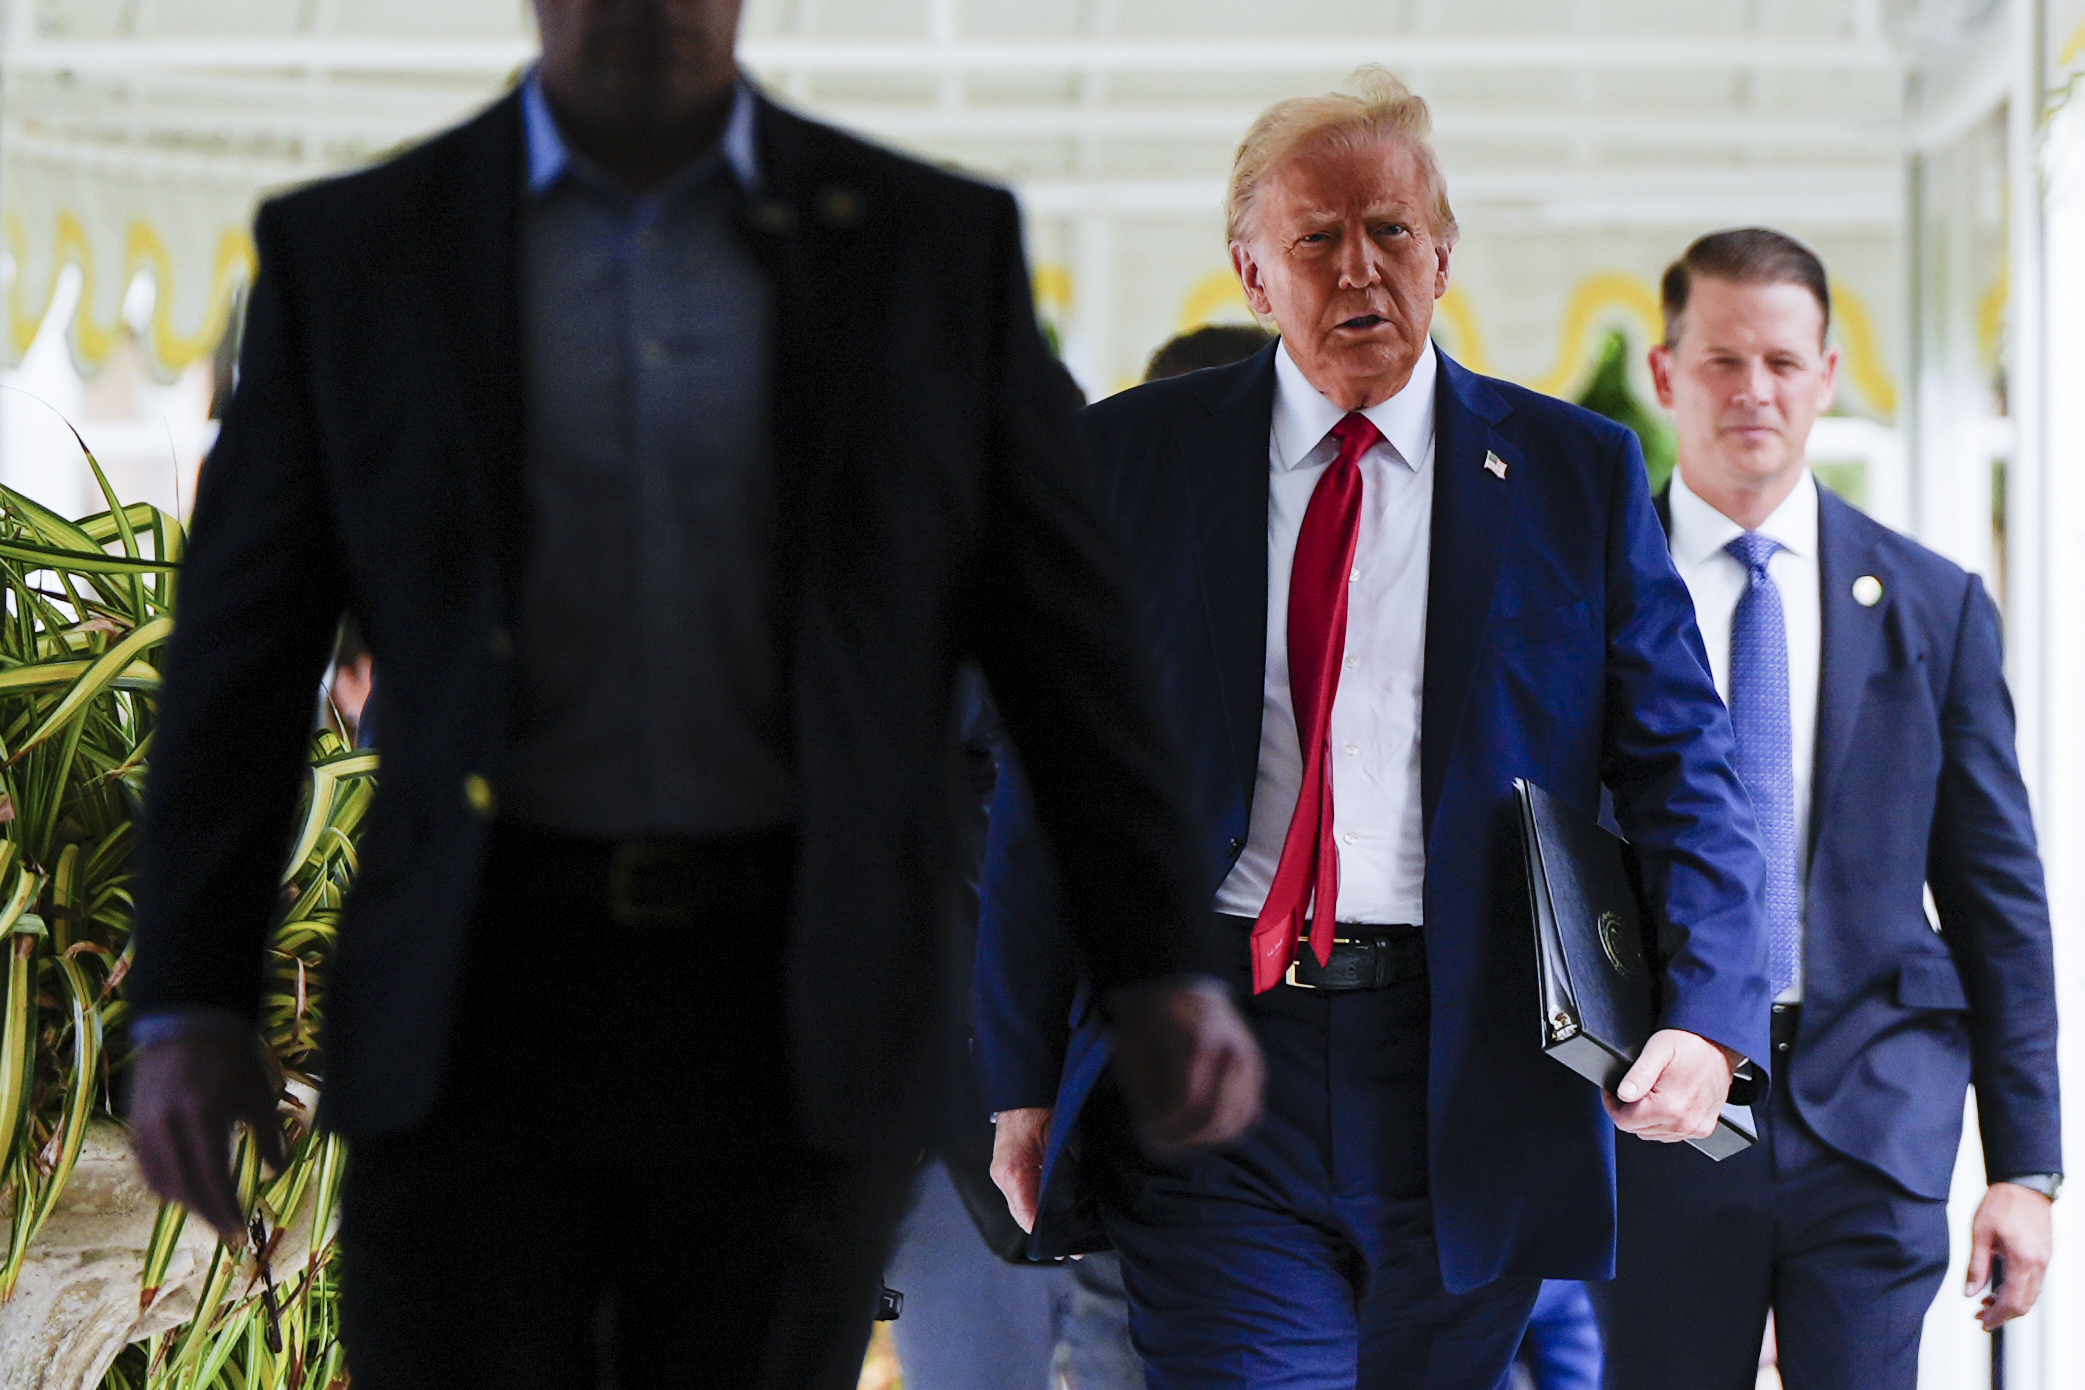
(2054, 1355)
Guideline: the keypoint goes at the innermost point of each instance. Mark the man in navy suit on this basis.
(1876, 737)
(1380, 588)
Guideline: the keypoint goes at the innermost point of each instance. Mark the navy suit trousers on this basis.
(1848, 1260)
(1304, 1258)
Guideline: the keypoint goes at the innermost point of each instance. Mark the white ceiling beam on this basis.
(1511, 53)
(1860, 197)
(202, 106)
(1460, 123)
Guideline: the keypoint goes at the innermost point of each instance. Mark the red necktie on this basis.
(1318, 586)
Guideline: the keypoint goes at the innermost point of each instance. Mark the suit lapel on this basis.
(1227, 458)
(1472, 513)
(800, 223)
(1854, 649)
(475, 266)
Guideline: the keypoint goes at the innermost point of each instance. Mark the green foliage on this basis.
(85, 610)
(1608, 394)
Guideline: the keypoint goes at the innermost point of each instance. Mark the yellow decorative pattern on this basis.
(1466, 342)
(1052, 286)
(1597, 300)
(2073, 47)
(144, 249)
(1990, 315)
(1865, 368)
(1209, 297)
(1601, 299)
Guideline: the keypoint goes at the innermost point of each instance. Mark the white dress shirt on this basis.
(1375, 713)
(1717, 579)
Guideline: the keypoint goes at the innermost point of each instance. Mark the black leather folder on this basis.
(1598, 990)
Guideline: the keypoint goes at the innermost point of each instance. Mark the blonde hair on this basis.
(1375, 104)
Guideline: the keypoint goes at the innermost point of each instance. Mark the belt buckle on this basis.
(630, 859)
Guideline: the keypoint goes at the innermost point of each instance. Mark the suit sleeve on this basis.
(1026, 976)
(1669, 759)
(1052, 628)
(260, 596)
(1986, 877)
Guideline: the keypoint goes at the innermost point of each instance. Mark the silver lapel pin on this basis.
(1867, 591)
(1494, 465)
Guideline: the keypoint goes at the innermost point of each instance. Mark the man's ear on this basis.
(1661, 373)
(1441, 255)
(1830, 390)
(1249, 280)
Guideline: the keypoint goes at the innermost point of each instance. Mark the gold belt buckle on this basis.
(631, 858)
(1304, 945)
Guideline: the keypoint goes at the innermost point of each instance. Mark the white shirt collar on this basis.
(549, 157)
(1699, 530)
(1303, 416)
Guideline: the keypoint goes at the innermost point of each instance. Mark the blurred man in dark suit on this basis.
(1875, 737)
(672, 451)
(1380, 588)
(1211, 345)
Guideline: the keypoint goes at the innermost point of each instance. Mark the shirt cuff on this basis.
(162, 1026)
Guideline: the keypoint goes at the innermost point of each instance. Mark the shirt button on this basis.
(1352, 749)
(1352, 662)
(1349, 836)
(1354, 574)
(479, 796)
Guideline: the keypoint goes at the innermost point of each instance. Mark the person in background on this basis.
(1875, 736)
(669, 565)
(1093, 1350)
(1561, 1349)
(1379, 589)
(1211, 345)
(350, 682)
(972, 1319)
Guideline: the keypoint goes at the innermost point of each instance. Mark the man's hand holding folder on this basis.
(1675, 1089)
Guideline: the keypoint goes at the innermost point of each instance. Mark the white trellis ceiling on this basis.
(138, 133)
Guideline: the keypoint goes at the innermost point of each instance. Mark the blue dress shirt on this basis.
(650, 684)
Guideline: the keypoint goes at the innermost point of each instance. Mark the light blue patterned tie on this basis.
(1759, 714)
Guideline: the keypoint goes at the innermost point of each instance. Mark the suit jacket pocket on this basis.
(1899, 683)
(1931, 983)
(1527, 629)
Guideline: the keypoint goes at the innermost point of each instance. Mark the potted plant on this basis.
(85, 610)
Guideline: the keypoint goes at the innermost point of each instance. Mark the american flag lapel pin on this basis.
(1494, 465)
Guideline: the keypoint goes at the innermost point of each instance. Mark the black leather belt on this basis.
(1363, 957)
(653, 882)
(1785, 1019)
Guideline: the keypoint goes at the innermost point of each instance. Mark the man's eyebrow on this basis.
(1391, 212)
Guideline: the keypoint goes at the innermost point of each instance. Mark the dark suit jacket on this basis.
(936, 507)
(1916, 782)
(1560, 647)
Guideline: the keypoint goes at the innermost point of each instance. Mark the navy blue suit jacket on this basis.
(1916, 782)
(1560, 647)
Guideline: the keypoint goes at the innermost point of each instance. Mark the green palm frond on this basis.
(86, 607)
